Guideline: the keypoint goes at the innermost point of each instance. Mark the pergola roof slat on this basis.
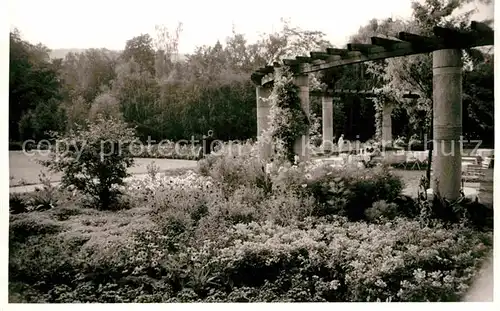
(363, 48)
(290, 62)
(386, 43)
(319, 55)
(334, 51)
(303, 59)
(418, 40)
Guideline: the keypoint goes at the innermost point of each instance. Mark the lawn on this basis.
(24, 169)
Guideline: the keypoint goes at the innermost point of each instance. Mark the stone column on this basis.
(387, 124)
(447, 128)
(327, 103)
(301, 146)
(263, 111)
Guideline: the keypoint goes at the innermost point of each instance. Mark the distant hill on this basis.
(61, 53)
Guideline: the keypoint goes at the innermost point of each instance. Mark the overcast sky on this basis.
(107, 23)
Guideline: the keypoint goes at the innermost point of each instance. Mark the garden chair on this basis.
(487, 162)
(412, 160)
(472, 175)
(396, 159)
(471, 159)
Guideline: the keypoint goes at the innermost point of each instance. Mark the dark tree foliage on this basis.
(33, 81)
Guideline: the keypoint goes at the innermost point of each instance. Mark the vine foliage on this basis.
(378, 102)
(288, 121)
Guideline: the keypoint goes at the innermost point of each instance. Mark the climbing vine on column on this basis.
(378, 102)
(288, 121)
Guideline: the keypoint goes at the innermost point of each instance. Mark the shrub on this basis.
(244, 205)
(17, 203)
(33, 224)
(286, 208)
(381, 210)
(43, 262)
(153, 170)
(461, 210)
(98, 164)
(247, 233)
(407, 206)
(231, 171)
(46, 197)
(346, 191)
(369, 261)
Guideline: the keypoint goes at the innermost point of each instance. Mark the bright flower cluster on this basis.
(190, 180)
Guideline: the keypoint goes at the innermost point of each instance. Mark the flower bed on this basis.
(240, 230)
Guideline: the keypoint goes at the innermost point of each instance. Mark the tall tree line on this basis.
(165, 97)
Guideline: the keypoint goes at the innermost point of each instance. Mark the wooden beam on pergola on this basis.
(481, 27)
(319, 55)
(343, 92)
(381, 48)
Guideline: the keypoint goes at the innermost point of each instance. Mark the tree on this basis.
(47, 117)
(166, 45)
(138, 94)
(105, 105)
(87, 74)
(289, 42)
(414, 73)
(77, 112)
(33, 80)
(478, 101)
(140, 50)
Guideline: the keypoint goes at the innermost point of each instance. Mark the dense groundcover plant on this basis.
(237, 230)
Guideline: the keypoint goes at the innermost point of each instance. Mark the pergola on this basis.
(446, 46)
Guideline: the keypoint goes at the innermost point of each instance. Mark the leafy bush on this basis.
(44, 262)
(153, 170)
(98, 162)
(46, 197)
